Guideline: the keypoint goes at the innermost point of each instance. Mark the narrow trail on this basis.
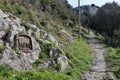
(98, 69)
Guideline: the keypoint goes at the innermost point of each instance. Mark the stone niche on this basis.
(23, 42)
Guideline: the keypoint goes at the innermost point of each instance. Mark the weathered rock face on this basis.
(59, 60)
(66, 36)
(22, 49)
(87, 9)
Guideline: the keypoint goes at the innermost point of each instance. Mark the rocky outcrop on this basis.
(59, 62)
(13, 55)
(87, 9)
(61, 59)
(66, 36)
(22, 47)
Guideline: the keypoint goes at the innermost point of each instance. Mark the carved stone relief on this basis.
(23, 42)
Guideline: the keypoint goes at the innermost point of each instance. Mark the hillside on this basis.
(87, 9)
(87, 12)
(38, 41)
(41, 11)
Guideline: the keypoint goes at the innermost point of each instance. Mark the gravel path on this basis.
(98, 70)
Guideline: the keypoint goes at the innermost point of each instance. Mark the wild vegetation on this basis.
(52, 18)
(79, 55)
(113, 60)
(106, 22)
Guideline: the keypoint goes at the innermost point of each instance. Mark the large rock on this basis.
(19, 60)
(65, 36)
(61, 59)
(22, 47)
(20, 52)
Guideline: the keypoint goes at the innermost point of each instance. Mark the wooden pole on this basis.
(79, 24)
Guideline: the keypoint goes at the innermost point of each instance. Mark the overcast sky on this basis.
(74, 3)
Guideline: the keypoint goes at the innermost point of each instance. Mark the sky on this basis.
(74, 3)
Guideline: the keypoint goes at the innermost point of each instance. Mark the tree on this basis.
(107, 22)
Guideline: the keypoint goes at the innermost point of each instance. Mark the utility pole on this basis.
(79, 24)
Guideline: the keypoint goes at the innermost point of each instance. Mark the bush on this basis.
(21, 10)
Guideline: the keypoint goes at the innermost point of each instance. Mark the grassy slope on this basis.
(78, 53)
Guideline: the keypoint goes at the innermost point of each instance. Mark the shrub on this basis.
(21, 10)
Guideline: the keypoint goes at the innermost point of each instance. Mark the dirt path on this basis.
(98, 70)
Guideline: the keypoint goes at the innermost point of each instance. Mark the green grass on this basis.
(78, 53)
(45, 74)
(79, 56)
(34, 17)
(113, 60)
